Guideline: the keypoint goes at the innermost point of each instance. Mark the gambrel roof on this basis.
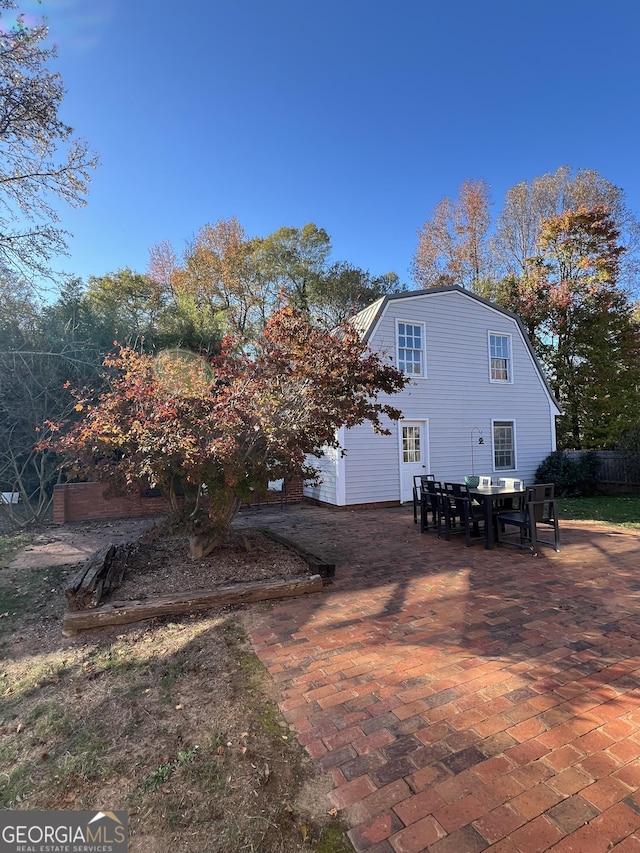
(365, 321)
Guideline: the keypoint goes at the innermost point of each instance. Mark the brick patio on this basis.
(464, 700)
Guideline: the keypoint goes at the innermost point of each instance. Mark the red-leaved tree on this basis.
(216, 430)
(582, 326)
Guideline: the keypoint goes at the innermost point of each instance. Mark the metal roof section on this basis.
(364, 320)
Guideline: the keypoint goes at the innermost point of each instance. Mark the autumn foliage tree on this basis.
(564, 254)
(344, 289)
(216, 429)
(227, 281)
(530, 203)
(582, 325)
(452, 244)
(216, 284)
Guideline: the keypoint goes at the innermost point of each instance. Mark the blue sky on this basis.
(356, 115)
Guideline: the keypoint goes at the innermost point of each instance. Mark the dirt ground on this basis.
(173, 719)
(157, 563)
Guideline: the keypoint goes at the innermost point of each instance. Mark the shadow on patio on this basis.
(464, 699)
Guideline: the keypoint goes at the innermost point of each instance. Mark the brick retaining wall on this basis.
(83, 501)
(86, 501)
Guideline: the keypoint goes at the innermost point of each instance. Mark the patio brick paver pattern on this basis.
(464, 700)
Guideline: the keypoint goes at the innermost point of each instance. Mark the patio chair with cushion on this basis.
(511, 503)
(511, 483)
(538, 511)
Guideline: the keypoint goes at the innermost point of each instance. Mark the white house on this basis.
(476, 390)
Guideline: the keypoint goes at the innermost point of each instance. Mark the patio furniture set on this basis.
(505, 512)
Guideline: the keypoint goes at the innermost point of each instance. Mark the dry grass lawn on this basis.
(172, 720)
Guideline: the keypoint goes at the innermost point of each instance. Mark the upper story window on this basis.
(411, 348)
(500, 357)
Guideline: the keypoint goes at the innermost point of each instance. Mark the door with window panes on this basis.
(503, 446)
(414, 456)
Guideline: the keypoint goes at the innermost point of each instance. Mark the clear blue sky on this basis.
(354, 114)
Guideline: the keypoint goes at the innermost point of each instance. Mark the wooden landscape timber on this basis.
(126, 612)
(100, 575)
(315, 564)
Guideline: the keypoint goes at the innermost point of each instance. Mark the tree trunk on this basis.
(223, 505)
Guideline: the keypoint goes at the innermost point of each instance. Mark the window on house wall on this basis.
(500, 356)
(411, 348)
(504, 448)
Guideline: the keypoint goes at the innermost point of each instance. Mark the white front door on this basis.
(414, 455)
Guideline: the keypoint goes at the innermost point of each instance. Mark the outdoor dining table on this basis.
(489, 496)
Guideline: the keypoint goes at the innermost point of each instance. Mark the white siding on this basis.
(325, 491)
(372, 465)
(331, 465)
(456, 396)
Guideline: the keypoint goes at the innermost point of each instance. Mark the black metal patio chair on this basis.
(429, 491)
(473, 518)
(418, 482)
(537, 514)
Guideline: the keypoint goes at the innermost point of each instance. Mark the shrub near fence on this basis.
(619, 470)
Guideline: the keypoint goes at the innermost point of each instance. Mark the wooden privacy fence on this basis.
(618, 470)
